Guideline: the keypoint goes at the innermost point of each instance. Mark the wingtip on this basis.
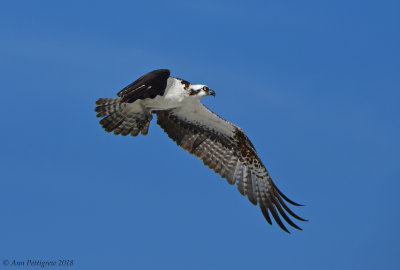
(286, 198)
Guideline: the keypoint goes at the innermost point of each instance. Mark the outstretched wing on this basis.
(148, 86)
(224, 148)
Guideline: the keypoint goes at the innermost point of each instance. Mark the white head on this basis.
(199, 90)
(195, 90)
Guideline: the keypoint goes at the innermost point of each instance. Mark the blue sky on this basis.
(315, 85)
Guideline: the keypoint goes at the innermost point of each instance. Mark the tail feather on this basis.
(107, 101)
(115, 119)
(126, 127)
(145, 128)
(108, 106)
(112, 121)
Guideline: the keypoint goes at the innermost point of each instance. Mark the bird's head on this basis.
(200, 91)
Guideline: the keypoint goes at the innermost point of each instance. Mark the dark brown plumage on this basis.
(148, 86)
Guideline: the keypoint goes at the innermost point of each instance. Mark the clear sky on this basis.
(314, 84)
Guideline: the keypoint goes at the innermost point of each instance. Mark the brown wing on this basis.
(229, 153)
(148, 86)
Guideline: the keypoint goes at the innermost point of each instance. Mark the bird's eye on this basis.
(205, 88)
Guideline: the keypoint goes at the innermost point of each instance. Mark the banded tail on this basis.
(116, 118)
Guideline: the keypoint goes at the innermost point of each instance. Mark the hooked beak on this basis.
(211, 93)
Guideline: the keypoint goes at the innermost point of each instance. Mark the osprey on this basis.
(221, 145)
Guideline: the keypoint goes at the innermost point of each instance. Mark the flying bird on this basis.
(221, 145)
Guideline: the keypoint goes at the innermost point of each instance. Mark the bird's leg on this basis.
(144, 121)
